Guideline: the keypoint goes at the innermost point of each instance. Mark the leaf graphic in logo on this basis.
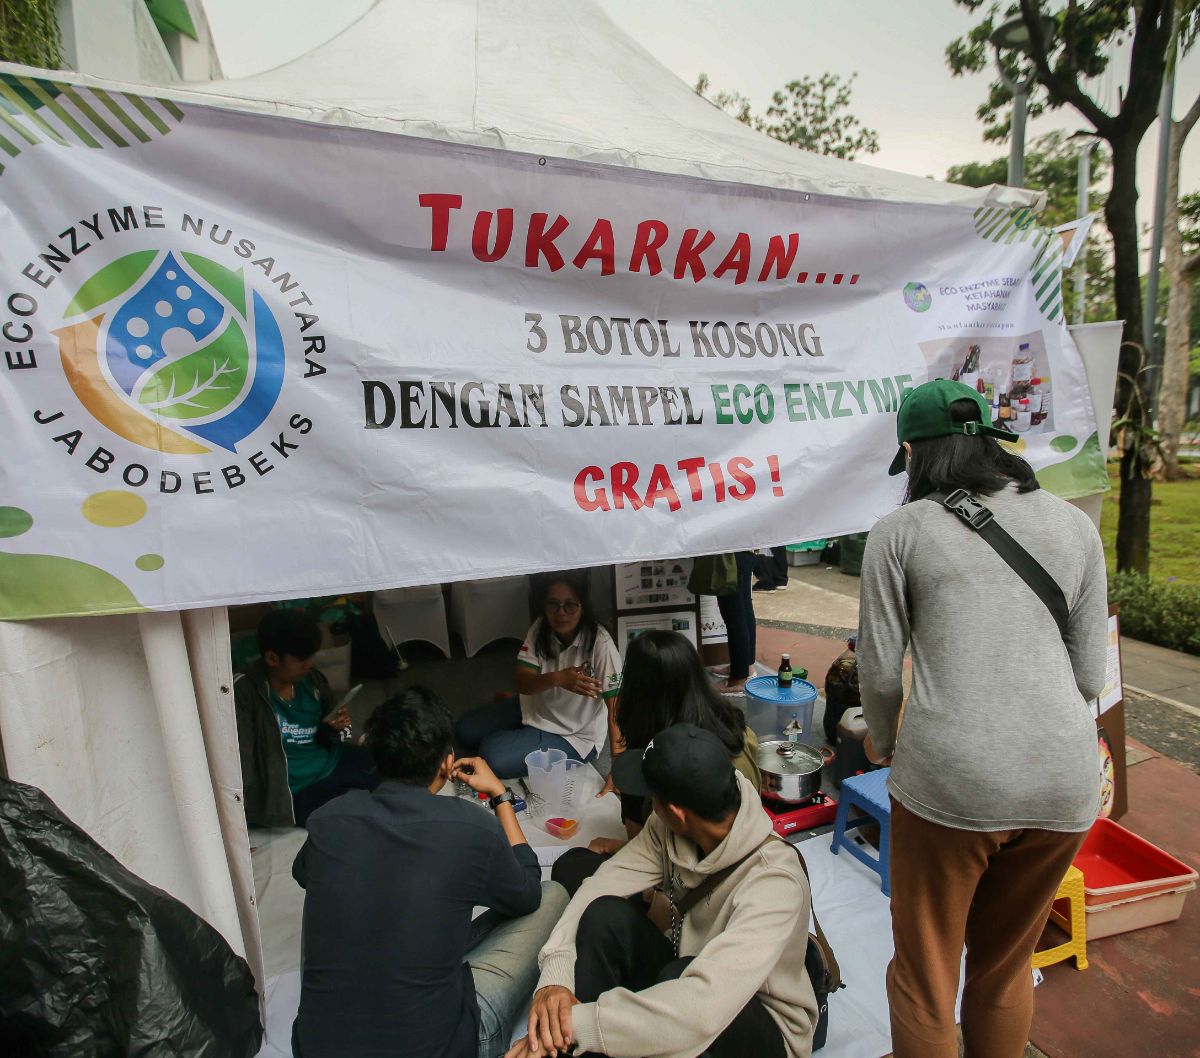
(175, 346)
(168, 318)
(111, 281)
(201, 383)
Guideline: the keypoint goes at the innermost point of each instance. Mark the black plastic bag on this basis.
(94, 961)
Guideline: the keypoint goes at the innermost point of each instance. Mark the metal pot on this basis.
(791, 771)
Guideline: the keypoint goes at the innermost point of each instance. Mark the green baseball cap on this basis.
(925, 413)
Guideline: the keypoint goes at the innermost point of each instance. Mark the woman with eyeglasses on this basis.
(568, 680)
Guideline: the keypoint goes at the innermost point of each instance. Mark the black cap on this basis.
(683, 765)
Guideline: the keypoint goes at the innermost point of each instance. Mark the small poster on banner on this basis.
(654, 583)
(1113, 684)
(630, 626)
(1109, 712)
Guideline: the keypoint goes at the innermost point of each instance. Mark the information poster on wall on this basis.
(630, 626)
(712, 624)
(654, 582)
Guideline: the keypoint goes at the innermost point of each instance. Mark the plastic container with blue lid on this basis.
(770, 709)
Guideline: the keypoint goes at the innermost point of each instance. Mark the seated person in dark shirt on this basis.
(393, 963)
(291, 728)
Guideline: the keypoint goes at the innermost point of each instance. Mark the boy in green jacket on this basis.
(290, 732)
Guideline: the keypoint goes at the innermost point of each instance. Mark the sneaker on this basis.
(782, 587)
(762, 587)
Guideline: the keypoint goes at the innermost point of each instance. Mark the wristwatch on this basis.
(505, 798)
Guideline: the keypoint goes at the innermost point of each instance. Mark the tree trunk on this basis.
(1172, 400)
(1173, 391)
(1120, 212)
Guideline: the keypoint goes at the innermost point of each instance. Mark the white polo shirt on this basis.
(581, 721)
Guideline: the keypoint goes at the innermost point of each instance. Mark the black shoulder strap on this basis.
(831, 963)
(1028, 568)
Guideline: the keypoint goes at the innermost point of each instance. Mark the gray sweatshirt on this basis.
(997, 733)
(748, 936)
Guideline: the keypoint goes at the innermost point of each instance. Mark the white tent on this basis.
(102, 713)
(557, 79)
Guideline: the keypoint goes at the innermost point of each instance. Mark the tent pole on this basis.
(183, 743)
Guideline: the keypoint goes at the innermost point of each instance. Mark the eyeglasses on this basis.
(570, 607)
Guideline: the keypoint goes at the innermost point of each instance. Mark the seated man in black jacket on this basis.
(393, 964)
(291, 730)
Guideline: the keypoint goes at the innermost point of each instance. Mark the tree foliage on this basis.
(29, 33)
(1051, 165)
(1088, 34)
(1059, 61)
(1189, 221)
(812, 113)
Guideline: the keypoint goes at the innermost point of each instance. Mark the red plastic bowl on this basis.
(1118, 865)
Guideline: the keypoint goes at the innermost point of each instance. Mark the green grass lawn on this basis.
(1174, 528)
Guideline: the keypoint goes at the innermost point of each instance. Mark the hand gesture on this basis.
(339, 719)
(550, 1020)
(577, 681)
(476, 773)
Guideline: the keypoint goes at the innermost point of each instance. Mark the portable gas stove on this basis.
(818, 811)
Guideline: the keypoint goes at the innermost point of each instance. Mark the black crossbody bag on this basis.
(1028, 568)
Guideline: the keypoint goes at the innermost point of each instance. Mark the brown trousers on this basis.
(989, 890)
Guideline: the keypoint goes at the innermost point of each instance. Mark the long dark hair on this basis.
(547, 642)
(663, 683)
(974, 462)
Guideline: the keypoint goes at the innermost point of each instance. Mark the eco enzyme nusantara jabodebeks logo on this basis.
(157, 365)
(172, 350)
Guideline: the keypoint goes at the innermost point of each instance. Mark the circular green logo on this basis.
(917, 297)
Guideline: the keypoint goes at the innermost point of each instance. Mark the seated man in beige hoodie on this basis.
(728, 978)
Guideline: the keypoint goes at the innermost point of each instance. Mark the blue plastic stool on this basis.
(868, 793)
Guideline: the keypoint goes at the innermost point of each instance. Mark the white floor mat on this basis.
(854, 914)
(856, 918)
(283, 1000)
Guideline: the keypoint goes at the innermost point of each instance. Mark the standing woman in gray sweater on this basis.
(995, 778)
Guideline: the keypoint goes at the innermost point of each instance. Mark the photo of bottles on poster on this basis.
(1011, 372)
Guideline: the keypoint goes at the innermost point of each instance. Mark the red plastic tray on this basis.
(1118, 865)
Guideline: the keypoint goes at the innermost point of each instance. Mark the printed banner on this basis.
(249, 358)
